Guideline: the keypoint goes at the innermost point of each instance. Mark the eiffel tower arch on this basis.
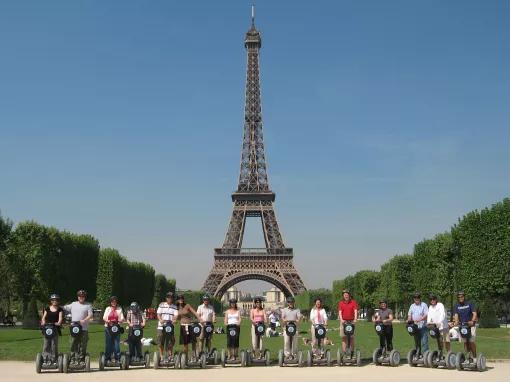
(253, 198)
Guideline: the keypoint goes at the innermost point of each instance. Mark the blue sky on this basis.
(384, 122)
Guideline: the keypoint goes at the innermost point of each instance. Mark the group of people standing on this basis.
(169, 311)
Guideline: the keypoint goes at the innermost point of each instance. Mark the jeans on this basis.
(424, 334)
(50, 349)
(112, 345)
(135, 348)
(386, 339)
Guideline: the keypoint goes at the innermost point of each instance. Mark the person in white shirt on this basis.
(318, 316)
(437, 316)
(206, 315)
(167, 312)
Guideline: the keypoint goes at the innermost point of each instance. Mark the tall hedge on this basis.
(6, 288)
(162, 286)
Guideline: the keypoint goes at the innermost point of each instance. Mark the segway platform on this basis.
(129, 360)
(319, 356)
(68, 363)
(297, 359)
(240, 360)
(415, 356)
(49, 331)
(381, 356)
(436, 358)
(165, 361)
(265, 355)
(212, 355)
(351, 357)
(196, 360)
(467, 361)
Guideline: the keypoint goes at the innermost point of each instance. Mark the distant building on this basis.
(274, 299)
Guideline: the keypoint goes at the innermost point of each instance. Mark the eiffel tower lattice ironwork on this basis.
(253, 198)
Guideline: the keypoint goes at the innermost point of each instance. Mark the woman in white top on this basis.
(232, 321)
(112, 316)
(318, 316)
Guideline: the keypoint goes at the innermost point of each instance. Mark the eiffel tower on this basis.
(253, 198)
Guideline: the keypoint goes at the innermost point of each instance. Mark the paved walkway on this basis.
(12, 371)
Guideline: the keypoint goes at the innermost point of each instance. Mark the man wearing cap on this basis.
(347, 311)
(167, 311)
(465, 312)
(418, 313)
(206, 315)
(81, 311)
(290, 314)
(437, 315)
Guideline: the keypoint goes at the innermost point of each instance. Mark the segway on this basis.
(436, 358)
(70, 364)
(383, 356)
(241, 358)
(127, 360)
(264, 358)
(467, 361)
(49, 331)
(166, 361)
(320, 356)
(196, 360)
(105, 360)
(415, 356)
(350, 356)
(212, 356)
(293, 359)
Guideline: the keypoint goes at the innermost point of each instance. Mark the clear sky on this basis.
(384, 122)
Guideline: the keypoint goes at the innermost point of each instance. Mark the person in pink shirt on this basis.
(257, 315)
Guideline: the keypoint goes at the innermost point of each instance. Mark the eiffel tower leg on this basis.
(272, 233)
(235, 233)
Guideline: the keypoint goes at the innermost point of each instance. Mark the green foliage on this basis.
(5, 275)
(396, 285)
(487, 313)
(129, 281)
(194, 298)
(162, 286)
(31, 318)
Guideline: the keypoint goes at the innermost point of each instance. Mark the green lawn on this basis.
(19, 344)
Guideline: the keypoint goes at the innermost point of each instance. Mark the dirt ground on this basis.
(13, 371)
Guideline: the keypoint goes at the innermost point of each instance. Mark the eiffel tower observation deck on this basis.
(253, 198)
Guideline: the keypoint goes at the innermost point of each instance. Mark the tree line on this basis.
(473, 256)
(36, 260)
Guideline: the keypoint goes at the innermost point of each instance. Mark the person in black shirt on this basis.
(52, 314)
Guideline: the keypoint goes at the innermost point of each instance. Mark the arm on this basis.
(252, 319)
(325, 317)
(194, 312)
(225, 319)
(143, 320)
(43, 319)
(240, 318)
(128, 317)
(409, 316)
(265, 317)
(474, 318)
(213, 316)
(340, 318)
(389, 319)
(121, 317)
(355, 315)
(105, 315)
(60, 317)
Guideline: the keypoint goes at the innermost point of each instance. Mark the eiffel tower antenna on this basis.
(253, 198)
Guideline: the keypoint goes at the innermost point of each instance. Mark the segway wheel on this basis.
(156, 359)
(60, 363)
(203, 358)
(215, 357)
(358, 357)
(101, 361)
(410, 357)
(177, 361)
(425, 356)
(481, 363)
(394, 358)
(243, 357)
(65, 362)
(280, 358)
(328, 357)
(223, 358)
(432, 359)
(301, 359)
(124, 361)
(450, 360)
(375, 356)
(87, 363)
(183, 361)
(459, 361)
(309, 359)
(147, 360)
(267, 356)
(38, 363)
(339, 357)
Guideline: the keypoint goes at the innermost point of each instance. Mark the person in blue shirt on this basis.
(465, 312)
(418, 313)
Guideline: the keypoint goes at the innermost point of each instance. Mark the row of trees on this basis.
(473, 256)
(36, 260)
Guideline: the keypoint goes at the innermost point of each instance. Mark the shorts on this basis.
(472, 338)
(165, 340)
(186, 336)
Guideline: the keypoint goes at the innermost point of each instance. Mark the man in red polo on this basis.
(347, 311)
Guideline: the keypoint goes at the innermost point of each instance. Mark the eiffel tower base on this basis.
(232, 266)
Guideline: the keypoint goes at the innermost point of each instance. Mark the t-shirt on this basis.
(437, 315)
(465, 311)
(318, 316)
(291, 314)
(384, 314)
(418, 311)
(52, 317)
(206, 313)
(79, 312)
(168, 312)
(347, 308)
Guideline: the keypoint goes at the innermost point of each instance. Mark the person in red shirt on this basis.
(347, 311)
